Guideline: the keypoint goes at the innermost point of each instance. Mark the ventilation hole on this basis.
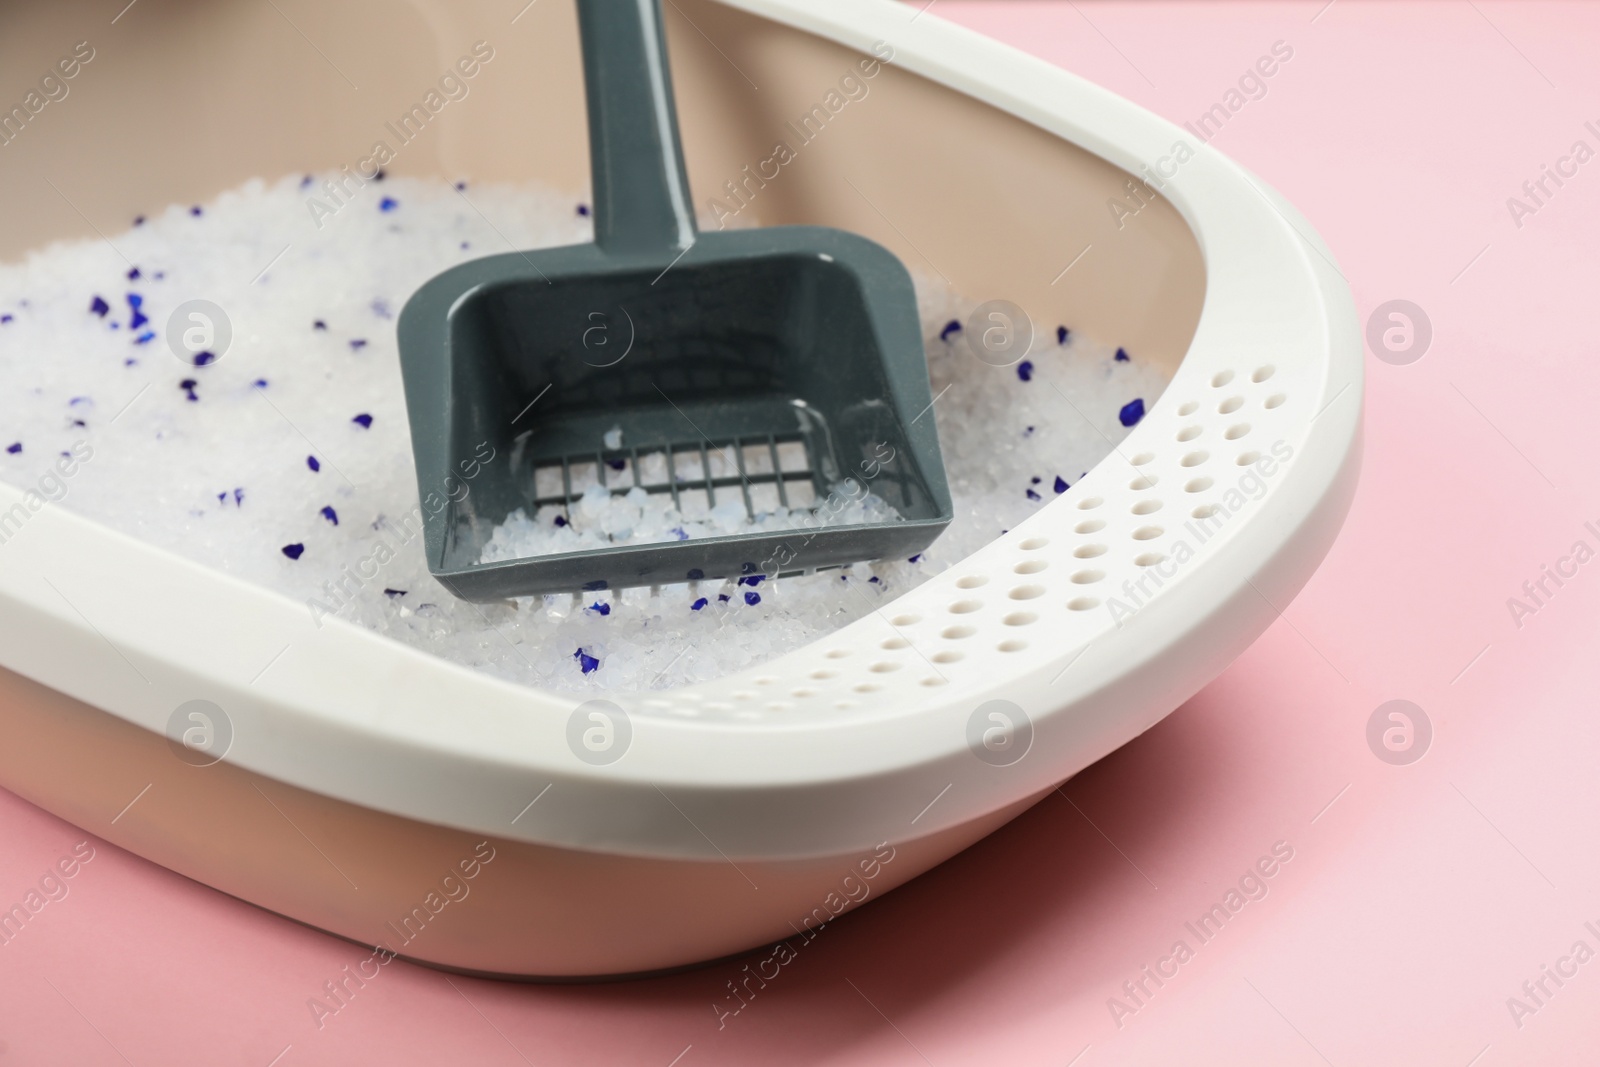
(1032, 566)
(884, 667)
(1237, 431)
(1026, 592)
(1188, 433)
(802, 693)
(1189, 409)
(1143, 482)
(1148, 533)
(1276, 400)
(1230, 405)
(1089, 503)
(1194, 459)
(1247, 458)
(743, 694)
(1145, 507)
(765, 679)
(965, 607)
(972, 581)
(1033, 544)
(956, 633)
(1089, 551)
(1011, 646)
(1087, 577)
(934, 681)
(1089, 526)
(823, 676)
(895, 642)
(1221, 378)
(1148, 559)
(868, 687)
(1263, 373)
(1197, 485)
(844, 705)
(1082, 603)
(1144, 457)
(1204, 511)
(779, 705)
(1020, 618)
(838, 653)
(949, 656)
(906, 620)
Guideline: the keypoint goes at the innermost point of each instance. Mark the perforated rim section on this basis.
(1193, 471)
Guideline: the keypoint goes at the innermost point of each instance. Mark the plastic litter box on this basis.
(395, 799)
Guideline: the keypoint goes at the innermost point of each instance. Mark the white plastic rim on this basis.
(874, 732)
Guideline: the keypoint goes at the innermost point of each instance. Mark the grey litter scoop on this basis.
(790, 357)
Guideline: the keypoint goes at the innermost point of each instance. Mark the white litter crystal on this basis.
(217, 462)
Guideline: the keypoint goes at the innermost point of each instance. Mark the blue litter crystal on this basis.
(1132, 412)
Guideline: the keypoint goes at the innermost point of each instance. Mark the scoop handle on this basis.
(641, 193)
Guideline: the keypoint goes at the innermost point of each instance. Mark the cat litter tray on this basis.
(364, 787)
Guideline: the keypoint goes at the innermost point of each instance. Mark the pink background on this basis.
(1414, 905)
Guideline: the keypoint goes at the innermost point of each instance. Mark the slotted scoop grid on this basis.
(790, 471)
